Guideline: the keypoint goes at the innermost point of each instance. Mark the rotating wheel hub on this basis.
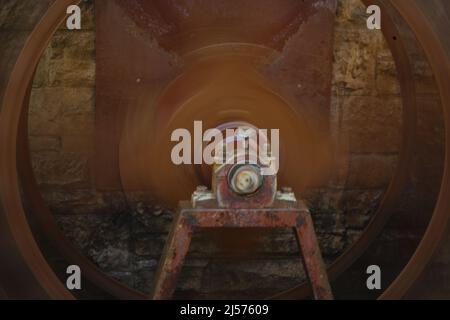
(221, 87)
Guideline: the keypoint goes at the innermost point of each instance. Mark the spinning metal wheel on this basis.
(235, 67)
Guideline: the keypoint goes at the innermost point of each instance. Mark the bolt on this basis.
(202, 189)
(286, 190)
(157, 211)
(140, 208)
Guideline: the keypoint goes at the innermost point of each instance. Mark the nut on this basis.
(245, 179)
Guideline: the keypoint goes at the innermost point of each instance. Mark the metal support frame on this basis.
(284, 214)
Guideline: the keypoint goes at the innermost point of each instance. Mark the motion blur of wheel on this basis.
(224, 76)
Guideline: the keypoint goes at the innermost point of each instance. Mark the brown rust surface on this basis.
(129, 66)
(183, 26)
(285, 216)
(266, 63)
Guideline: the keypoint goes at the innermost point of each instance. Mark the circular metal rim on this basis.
(409, 119)
(440, 64)
(10, 192)
(9, 120)
(15, 96)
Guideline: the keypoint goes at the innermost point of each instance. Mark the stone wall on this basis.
(365, 121)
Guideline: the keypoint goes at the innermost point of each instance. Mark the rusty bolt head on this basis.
(286, 190)
(202, 188)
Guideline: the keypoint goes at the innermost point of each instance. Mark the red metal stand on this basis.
(283, 214)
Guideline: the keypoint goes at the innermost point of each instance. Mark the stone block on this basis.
(386, 74)
(61, 111)
(371, 171)
(44, 143)
(21, 15)
(372, 124)
(354, 71)
(57, 169)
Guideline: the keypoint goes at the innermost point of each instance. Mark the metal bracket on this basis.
(284, 214)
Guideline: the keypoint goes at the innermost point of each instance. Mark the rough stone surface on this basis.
(372, 124)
